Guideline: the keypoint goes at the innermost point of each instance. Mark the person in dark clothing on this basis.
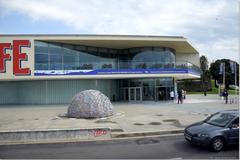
(179, 96)
(226, 96)
(205, 92)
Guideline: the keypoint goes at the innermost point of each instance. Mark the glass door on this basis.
(124, 94)
(138, 93)
(135, 94)
(132, 94)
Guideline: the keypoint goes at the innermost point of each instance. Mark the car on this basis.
(219, 130)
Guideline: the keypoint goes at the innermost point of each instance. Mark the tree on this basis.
(203, 63)
(205, 76)
(229, 76)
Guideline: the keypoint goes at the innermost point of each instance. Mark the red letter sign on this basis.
(18, 57)
(4, 56)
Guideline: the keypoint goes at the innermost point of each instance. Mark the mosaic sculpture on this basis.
(90, 104)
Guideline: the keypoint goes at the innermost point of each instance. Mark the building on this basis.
(50, 69)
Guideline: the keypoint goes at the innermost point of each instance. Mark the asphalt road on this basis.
(157, 147)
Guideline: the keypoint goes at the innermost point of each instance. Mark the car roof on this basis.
(234, 112)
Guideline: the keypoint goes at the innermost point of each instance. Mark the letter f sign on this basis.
(17, 57)
(4, 56)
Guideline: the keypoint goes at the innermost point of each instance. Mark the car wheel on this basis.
(217, 144)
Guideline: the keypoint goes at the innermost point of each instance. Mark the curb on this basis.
(74, 135)
(53, 135)
(141, 134)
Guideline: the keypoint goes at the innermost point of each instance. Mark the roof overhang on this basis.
(115, 76)
(179, 44)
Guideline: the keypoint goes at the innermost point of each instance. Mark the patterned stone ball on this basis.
(90, 104)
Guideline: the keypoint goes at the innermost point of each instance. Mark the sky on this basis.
(211, 26)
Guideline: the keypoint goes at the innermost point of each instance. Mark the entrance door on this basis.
(124, 94)
(138, 94)
(135, 94)
(162, 93)
(132, 94)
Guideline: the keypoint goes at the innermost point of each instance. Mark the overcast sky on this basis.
(210, 25)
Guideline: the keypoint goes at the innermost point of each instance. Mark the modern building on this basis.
(50, 69)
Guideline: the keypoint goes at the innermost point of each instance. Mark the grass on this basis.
(215, 90)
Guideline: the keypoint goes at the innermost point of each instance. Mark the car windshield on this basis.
(219, 119)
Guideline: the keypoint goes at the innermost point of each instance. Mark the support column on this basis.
(175, 87)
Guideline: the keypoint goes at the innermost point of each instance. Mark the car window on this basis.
(235, 123)
(220, 119)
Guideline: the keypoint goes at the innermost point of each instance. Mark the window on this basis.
(220, 119)
(59, 56)
(235, 123)
(154, 59)
(55, 62)
(41, 47)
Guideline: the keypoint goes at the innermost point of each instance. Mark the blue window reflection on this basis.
(58, 56)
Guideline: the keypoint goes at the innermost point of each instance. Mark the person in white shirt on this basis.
(172, 95)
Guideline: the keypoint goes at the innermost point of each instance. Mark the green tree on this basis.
(205, 76)
(203, 63)
(229, 76)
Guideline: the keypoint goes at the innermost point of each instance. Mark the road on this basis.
(157, 147)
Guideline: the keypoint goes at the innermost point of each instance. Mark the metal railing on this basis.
(120, 65)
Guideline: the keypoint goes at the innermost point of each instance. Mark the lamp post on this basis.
(235, 78)
(224, 86)
(223, 73)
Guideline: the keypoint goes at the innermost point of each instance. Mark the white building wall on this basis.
(29, 63)
(192, 58)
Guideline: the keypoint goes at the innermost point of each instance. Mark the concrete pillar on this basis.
(175, 86)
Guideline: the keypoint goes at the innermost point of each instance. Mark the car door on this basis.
(234, 132)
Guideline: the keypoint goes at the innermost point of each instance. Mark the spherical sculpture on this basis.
(90, 104)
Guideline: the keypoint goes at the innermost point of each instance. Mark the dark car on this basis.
(216, 132)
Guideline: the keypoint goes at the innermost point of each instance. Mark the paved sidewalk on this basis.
(128, 117)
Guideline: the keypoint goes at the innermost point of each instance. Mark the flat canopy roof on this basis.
(180, 44)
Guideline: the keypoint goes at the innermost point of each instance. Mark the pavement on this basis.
(129, 119)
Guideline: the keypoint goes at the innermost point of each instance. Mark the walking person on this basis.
(179, 96)
(226, 96)
(172, 95)
(205, 92)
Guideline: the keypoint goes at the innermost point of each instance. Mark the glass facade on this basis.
(153, 89)
(58, 56)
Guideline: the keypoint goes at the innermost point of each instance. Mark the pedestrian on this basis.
(159, 95)
(223, 95)
(179, 96)
(226, 96)
(172, 95)
(205, 92)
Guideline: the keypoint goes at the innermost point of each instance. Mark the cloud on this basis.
(223, 48)
(198, 20)
(145, 16)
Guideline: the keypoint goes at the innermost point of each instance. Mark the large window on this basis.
(154, 58)
(58, 56)
(55, 57)
(41, 56)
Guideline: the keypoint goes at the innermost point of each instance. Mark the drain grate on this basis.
(138, 124)
(170, 120)
(155, 123)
